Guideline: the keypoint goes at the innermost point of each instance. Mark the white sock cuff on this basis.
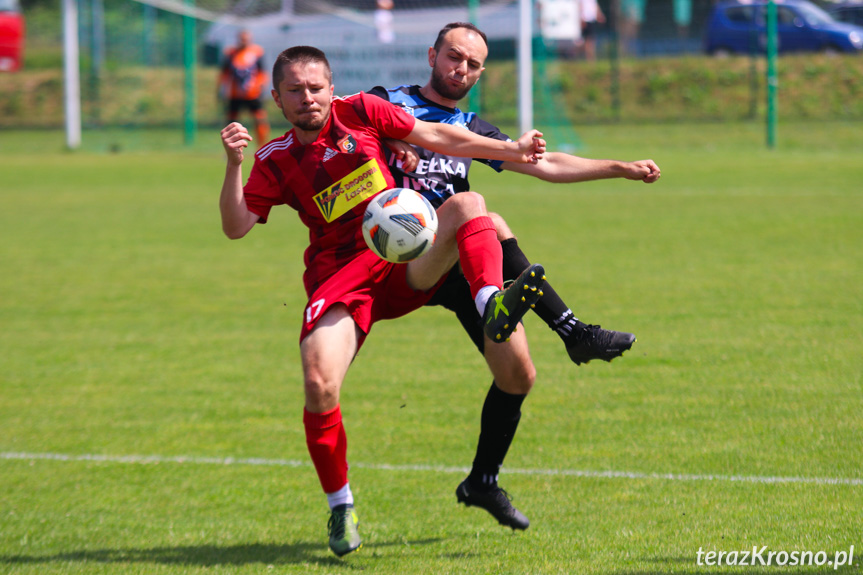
(341, 497)
(482, 297)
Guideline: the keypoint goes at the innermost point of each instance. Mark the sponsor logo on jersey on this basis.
(347, 144)
(329, 154)
(442, 165)
(350, 191)
(422, 185)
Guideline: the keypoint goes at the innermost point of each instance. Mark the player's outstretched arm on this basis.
(561, 168)
(237, 220)
(453, 141)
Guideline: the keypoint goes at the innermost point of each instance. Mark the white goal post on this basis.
(71, 74)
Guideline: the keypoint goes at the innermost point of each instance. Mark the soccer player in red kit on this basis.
(328, 167)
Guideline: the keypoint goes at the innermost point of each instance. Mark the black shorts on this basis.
(236, 105)
(589, 29)
(454, 295)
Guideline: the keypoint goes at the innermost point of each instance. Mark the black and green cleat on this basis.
(342, 528)
(506, 308)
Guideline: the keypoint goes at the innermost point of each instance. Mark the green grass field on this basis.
(151, 397)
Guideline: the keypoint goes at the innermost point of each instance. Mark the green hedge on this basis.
(817, 87)
(811, 86)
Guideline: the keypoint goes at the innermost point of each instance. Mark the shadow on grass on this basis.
(209, 555)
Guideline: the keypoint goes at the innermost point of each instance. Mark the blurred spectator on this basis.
(561, 26)
(241, 82)
(384, 21)
(683, 16)
(632, 15)
(591, 18)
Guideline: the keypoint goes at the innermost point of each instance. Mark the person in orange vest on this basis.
(241, 81)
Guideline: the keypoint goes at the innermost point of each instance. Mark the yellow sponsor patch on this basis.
(347, 193)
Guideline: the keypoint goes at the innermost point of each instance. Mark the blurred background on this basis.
(155, 64)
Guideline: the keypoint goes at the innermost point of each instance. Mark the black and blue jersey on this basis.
(437, 176)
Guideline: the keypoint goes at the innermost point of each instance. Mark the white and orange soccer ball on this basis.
(399, 225)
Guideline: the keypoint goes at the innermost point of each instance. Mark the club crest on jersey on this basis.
(347, 144)
(351, 191)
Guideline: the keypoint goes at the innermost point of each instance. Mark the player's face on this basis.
(458, 64)
(305, 96)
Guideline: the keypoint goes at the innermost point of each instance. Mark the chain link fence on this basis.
(649, 66)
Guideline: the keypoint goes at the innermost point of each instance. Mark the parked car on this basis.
(739, 26)
(11, 35)
(850, 12)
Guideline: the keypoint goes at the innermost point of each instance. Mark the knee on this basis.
(527, 377)
(321, 395)
(467, 204)
(503, 231)
(519, 379)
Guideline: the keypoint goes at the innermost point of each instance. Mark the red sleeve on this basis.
(262, 192)
(387, 118)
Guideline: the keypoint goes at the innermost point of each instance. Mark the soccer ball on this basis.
(399, 225)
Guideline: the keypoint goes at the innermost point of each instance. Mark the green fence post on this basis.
(474, 102)
(614, 60)
(190, 121)
(772, 82)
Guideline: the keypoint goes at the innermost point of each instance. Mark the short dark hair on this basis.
(299, 55)
(452, 26)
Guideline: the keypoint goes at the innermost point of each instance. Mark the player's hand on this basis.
(645, 170)
(405, 153)
(235, 137)
(532, 146)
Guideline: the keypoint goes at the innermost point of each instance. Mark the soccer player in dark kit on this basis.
(456, 62)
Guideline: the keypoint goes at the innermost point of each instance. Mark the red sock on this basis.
(480, 254)
(328, 446)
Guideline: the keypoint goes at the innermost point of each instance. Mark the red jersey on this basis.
(330, 181)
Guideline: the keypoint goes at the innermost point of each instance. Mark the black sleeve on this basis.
(483, 128)
(380, 92)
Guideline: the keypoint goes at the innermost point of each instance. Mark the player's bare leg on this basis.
(424, 273)
(511, 365)
(465, 231)
(514, 376)
(460, 217)
(327, 352)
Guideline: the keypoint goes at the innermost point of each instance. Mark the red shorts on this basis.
(371, 288)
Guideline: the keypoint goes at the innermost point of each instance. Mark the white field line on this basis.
(152, 459)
